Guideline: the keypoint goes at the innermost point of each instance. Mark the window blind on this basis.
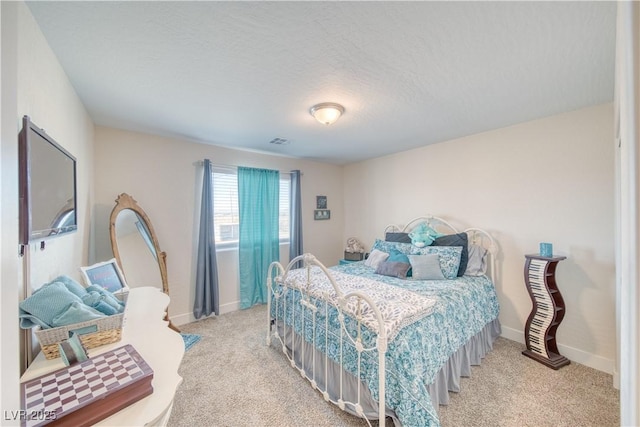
(226, 216)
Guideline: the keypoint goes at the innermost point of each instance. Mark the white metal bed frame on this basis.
(279, 274)
(477, 236)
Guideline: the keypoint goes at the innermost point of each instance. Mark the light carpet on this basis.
(231, 378)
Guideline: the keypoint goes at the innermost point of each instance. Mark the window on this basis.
(226, 217)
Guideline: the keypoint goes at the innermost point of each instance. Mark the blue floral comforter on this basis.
(463, 307)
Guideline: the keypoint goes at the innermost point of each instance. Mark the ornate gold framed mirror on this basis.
(135, 247)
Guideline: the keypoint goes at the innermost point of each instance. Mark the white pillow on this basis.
(375, 258)
(426, 267)
(477, 263)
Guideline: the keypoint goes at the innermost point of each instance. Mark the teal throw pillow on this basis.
(397, 256)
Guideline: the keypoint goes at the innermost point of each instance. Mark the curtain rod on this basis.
(234, 167)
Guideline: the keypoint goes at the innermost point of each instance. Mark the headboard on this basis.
(476, 236)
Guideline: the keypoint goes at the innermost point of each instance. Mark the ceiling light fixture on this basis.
(327, 112)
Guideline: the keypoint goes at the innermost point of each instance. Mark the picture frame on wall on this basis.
(320, 214)
(321, 202)
(107, 275)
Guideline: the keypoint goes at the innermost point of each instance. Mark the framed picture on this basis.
(321, 202)
(321, 214)
(107, 275)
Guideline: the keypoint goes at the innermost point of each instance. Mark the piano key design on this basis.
(547, 313)
(543, 315)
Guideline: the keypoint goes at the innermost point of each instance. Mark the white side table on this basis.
(144, 328)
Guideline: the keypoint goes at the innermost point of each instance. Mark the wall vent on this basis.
(279, 141)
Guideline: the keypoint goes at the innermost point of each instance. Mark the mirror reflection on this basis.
(138, 256)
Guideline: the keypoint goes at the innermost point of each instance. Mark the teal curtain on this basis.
(258, 203)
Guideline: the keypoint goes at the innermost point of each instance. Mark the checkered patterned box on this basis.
(85, 393)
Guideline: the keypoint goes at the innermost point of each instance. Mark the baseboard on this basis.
(575, 355)
(183, 319)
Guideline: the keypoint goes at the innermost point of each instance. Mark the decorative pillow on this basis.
(460, 239)
(376, 257)
(383, 246)
(426, 267)
(397, 256)
(477, 264)
(393, 269)
(397, 237)
(449, 258)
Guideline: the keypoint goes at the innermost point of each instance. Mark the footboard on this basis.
(298, 307)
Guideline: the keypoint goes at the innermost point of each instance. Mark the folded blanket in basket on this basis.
(76, 312)
(94, 296)
(73, 286)
(45, 304)
(98, 301)
(64, 301)
(109, 298)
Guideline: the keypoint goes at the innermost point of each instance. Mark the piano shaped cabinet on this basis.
(547, 313)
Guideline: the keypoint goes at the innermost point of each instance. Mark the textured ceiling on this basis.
(239, 74)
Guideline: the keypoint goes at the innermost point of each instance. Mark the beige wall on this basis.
(163, 176)
(34, 84)
(550, 180)
(46, 95)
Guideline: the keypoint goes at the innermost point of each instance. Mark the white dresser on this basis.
(144, 328)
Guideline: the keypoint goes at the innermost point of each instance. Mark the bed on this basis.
(379, 344)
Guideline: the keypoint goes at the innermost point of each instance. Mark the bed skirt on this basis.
(447, 379)
(460, 362)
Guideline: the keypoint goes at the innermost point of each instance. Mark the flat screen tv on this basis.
(47, 181)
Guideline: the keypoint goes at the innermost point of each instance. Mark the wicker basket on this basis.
(93, 333)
